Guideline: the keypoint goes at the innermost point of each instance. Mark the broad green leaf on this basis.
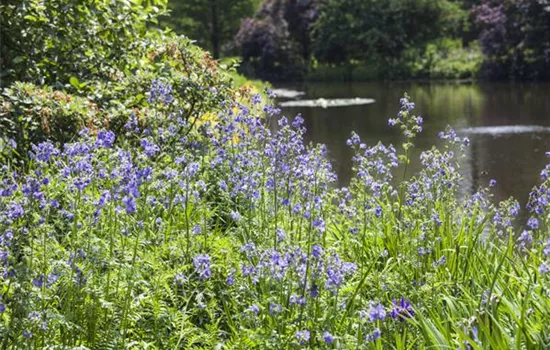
(74, 82)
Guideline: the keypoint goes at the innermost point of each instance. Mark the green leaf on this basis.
(74, 82)
(31, 18)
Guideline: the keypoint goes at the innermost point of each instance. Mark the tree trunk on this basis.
(215, 30)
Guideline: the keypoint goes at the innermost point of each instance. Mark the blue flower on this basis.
(525, 238)
(27, 334)
(130, 204)
(132, 122)
(302, 336)
(160, 92)
(105, 139)
(298, 121)
(275, 309)
(254, 309)
(179, 279)
(249, 247)
(328, 338)
(230, 280)
(4, 256)
(374, 335)
(15, 211)
(402, 309)
(319, 224)
(442, 261)
(377, 312)
(235, 216)
(353, 140)
(317, 251)
(44, 151)
(256, 99)
(297, 300)
(314, 291)
(52, 278)
(149, 148)
(406, 105)
(202, 266)
(38, 282)
(197, 229)
(281, 235)
(533, 223)
(337, 271)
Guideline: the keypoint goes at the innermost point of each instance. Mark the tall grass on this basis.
(234, 235)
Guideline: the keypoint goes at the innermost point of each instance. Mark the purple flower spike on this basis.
(402, 310)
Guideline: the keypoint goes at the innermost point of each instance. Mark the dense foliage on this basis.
(276, 43)
(374, 33)
(234, 235)
(74, 76)
(213, 23)
(443, 59)
(378, 28)
(397, 39)
(48, 42)
(515, 35)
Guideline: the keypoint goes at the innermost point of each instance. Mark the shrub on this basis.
(515, 36)
(445, 59)
(48, 42)
(30, 114)
(65, 67)
(276, 43)
(191, 79)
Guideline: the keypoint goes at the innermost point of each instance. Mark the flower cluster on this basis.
(233, 231)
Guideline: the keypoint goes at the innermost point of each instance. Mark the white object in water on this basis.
(287, 93)
(325, 103)
(506, 129)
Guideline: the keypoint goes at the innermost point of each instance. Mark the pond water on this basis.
(508, 126)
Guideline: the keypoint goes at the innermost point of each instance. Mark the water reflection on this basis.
(328, 103)
(505, 129)
(513, 158)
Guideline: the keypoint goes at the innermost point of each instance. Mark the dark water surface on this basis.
(508, 126)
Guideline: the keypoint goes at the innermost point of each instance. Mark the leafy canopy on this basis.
(213, 23)
(47, 42)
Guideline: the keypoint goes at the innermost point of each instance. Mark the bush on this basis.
(192, 81)
(48, 42)
(442, 59)
(30, 114)
(515, 36)
(91, 67)
(276, 43)
(446, 59)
